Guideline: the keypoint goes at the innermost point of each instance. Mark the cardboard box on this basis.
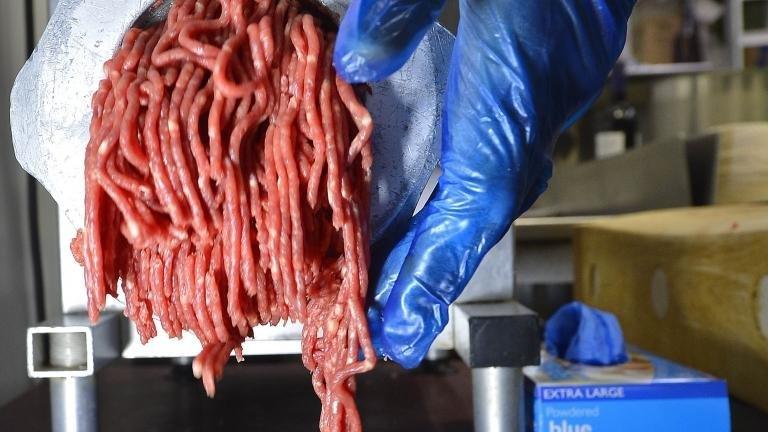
(688, 284)
(647, 393)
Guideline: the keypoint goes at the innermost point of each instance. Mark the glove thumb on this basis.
(376, 37)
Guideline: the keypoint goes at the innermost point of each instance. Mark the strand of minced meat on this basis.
(228, 185)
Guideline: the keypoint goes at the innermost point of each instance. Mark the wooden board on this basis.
(556, 228)
(689, 284)
(742, 163)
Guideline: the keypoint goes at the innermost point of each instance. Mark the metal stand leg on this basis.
(69, 352)
(496, 340)
(73, 399)
(497, 395)
(73, 404)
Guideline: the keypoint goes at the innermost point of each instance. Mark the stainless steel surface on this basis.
(74, 404)
(72, 346)
(281, 339)
(683, 106)
(544, 262)
(68, 350)
(650, 177)
(50, 106)
(497, 398)
(668, 68)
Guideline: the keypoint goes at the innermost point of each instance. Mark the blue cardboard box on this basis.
(648, 393)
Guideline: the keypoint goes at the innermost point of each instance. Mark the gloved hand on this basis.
(585, 335)
(521, 72)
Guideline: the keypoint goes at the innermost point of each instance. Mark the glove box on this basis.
(647, 393)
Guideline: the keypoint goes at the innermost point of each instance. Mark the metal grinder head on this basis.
(51, 106)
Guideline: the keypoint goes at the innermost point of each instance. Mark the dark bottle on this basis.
(688, 41)
(617, 126)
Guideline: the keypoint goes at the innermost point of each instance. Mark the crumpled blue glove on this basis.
(585, 335)
(521, 72)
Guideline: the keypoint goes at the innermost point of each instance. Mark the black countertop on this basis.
(275, 394)
(261, 394)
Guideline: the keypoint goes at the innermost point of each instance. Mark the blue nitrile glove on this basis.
(581, 334)
(521, 72)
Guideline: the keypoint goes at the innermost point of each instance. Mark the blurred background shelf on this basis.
(669, 37)
(755, 38)
(640, 70)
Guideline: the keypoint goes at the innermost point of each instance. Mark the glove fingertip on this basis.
(352, 66)
(360, 61)
(377, 38)
(412, 319)
(409, 361)
(355, 49)
(374, 329)
(385, 279)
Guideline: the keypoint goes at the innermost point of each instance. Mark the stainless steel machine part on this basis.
(74, 406)
(50, 106)
(497, 397)
(72, 346)
(268, 340)
(69, 352)
(497, 340)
